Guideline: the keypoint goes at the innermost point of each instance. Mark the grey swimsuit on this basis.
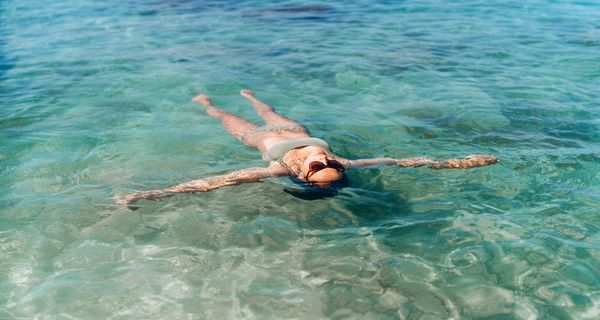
(278, 150)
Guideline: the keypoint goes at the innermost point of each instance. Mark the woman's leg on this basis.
(266, 112)
(236, 126)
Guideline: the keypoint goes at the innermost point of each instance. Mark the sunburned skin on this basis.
(296, 163)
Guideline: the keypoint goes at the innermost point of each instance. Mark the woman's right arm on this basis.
(465, 163)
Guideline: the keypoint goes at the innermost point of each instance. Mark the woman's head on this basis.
(314, 191)
(320, 168)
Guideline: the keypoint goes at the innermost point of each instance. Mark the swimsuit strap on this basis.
(279, 149)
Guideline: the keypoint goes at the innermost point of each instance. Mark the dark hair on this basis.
(313, 191)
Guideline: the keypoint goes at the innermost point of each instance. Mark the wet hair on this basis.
(313, 191)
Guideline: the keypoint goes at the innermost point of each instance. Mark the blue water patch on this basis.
(96, 102)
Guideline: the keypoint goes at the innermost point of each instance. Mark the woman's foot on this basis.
(204, 100)
(259, 106)
(247, 94)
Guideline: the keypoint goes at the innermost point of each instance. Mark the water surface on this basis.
(95, 100)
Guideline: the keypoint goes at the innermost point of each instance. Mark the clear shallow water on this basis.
(96, 101)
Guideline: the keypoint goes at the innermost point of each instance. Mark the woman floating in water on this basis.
(290, 151)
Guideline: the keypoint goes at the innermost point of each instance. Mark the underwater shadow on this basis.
(316, 13)
(351, 201)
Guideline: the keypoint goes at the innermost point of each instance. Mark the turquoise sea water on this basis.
(95, 101)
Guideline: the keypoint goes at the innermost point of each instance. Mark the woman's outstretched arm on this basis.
(465, 163)
(207, 184)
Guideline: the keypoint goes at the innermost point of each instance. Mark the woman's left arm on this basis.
(203, 185)
(465, 163)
